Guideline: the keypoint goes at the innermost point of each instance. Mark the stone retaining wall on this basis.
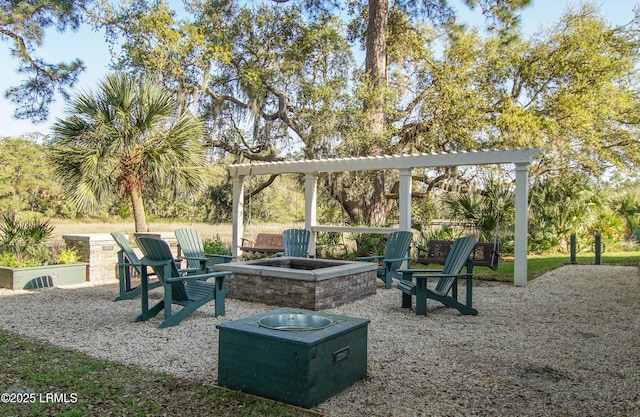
(309, 295)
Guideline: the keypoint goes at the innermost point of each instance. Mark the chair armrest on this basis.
(149, 262)
(243, 240)
(215, 255)
(369, 258)
(420, 249)
(428, 276)
(200, 277)
(419, 271)
(406, 258)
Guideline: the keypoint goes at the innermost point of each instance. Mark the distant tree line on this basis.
(558, 206)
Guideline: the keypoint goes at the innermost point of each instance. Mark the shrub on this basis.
(11, 260)
(367, 245)
(25, 238)
(67, 256)
(23, 243)
(216, 246)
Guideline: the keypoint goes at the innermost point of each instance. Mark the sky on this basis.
(93, 50)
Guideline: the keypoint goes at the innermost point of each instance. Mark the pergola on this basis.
(520, 158)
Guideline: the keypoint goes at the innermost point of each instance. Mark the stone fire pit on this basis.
(312, 284)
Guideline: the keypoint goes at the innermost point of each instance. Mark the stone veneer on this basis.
(318, 289)
(100, 251)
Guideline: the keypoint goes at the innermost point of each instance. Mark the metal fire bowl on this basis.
(293, 321)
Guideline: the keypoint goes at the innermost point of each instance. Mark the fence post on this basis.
(598, 249)
(573, 247)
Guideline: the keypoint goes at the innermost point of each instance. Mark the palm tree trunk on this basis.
(138, 210)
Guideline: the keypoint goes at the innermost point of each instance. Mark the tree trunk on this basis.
(376, 47)
(138, 210)
(376, 67)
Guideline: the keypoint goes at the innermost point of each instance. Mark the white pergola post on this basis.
(521, 232)
(310, 203)
(238, 213)
(404, 203)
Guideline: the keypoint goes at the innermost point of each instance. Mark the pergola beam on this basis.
(521, 158)
(433, 160)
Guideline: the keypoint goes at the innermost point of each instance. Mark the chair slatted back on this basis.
(459, 254)
(191, 246)
(398, 246)
(296, 242)
(127, 254)
(158, 250)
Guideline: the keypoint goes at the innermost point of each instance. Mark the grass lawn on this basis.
(39, 379)
(538, 265)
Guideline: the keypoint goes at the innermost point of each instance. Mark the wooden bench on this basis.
(264, 243)
(485, 254)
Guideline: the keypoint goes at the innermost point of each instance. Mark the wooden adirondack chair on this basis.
(296, 242)
(128, 260)
(191, 249)
(189, 291)
(458, 258)
(395, 253)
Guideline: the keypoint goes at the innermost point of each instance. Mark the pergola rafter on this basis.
(520, 158)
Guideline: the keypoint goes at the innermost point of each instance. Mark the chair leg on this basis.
(450, 302)
(168, 300)
(406, 300)
(421, 302)
(421, 297)
(469, 291)
(221, 292)
(124, 277)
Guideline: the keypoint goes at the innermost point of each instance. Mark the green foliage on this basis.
(367, 244)
(67, 256)
(215, 245)
(11, 260)
(330, 245)
(282, 201)
(561, 206)
(626, 203)
(444, 233)
(24, 241)
(26, 178)
(489, 210)
(23, 24)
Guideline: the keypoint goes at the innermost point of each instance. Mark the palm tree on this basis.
(485, 209)
(123, 137)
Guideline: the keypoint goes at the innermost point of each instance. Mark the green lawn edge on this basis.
(40, 379)
(538, 265)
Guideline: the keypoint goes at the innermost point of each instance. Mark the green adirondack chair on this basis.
(189, 291)
(395, 253)
(296, 242)
(128, 260)
(191, 249)
(458, 258)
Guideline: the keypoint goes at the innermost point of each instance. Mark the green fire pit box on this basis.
(295, 356)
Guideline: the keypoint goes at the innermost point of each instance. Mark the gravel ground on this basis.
(568, 344)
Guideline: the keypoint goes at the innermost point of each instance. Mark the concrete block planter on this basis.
(43, 276)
